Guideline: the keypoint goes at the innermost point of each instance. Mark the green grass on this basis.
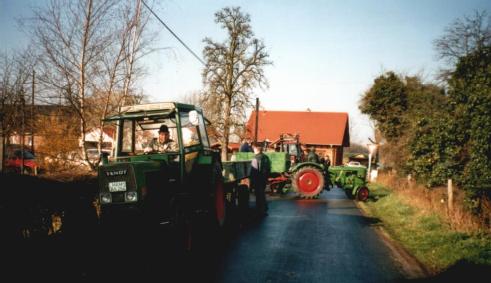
(425, 235)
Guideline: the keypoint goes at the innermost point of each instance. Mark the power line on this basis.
(175, 35)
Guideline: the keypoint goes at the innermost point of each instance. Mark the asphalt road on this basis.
(321, 240)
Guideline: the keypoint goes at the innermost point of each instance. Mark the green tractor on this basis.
(352, 179)
(174, 187)
(288, 166)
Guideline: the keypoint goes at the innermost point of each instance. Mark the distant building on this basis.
(328, 132)
(92, 138)
(32, 124)
(43, 114)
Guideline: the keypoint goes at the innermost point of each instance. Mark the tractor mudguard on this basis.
(303, 164)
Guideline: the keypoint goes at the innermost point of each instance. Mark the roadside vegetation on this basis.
(433, 131)
(49, 206)
(419, 219)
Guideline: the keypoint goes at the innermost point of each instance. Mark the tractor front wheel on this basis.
(308, 182)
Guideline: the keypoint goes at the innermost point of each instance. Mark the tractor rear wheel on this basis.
(220, 209)
(308, 182)
(362, 194)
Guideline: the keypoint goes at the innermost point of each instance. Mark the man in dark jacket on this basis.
(312, 156)
(260, 170)
(245, 146)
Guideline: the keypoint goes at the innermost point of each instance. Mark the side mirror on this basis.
(194, 117)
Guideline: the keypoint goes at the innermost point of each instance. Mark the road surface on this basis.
(321, 240)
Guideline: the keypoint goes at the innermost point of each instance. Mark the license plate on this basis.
(117, 186)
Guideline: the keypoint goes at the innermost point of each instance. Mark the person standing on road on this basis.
(312, 156)
(327, 161)
(245, 146)
(260, 170)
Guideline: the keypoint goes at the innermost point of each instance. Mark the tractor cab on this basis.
(139, 166)
(138, 129)
(290, 144)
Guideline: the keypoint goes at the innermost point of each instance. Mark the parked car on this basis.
(93, 153)
(355, 164)
(14, 161)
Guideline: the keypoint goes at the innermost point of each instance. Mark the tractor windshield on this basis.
(291, 149)
(140, 136)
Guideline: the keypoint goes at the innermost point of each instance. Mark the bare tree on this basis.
(233, 69)
(119, 68)
(72, 36)
(462, 37)
(194, 97)
(15, 78)
(137, 46)
(89, 54)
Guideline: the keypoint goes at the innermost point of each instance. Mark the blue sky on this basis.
(325, 53)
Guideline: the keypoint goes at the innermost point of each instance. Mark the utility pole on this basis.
(2, 142)
(257, 119)
(32, 112)
(23, 134)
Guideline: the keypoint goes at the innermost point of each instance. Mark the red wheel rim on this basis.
(220, 203)
(363, 194)
(308, 181)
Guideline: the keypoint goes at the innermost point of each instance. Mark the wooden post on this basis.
(450, 194)
(257, 119)
(2, 142)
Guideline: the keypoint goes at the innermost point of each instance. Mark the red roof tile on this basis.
(320, 128)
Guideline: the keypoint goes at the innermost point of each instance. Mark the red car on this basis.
(14, 162)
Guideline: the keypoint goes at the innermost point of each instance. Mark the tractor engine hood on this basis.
(125, 182)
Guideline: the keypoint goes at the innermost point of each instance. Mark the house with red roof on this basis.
(328, 132)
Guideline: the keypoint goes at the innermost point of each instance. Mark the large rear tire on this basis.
(243, 202)
(219, 205)
(362, 194)
(308, 182)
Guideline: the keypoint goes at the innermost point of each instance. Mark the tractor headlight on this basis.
(106, 198)
(131, 196)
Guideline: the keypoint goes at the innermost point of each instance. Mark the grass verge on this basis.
(425, 234)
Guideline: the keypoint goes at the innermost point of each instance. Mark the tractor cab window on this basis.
(127, 136)
(141, 136)
(203, 132)
(290, 148)
(190, 128)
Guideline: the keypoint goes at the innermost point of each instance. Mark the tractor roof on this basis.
(150, 110)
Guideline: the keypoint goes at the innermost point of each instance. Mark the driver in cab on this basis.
(164, 143)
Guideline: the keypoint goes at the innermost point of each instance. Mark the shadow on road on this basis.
(462, 271)
(82, 250)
